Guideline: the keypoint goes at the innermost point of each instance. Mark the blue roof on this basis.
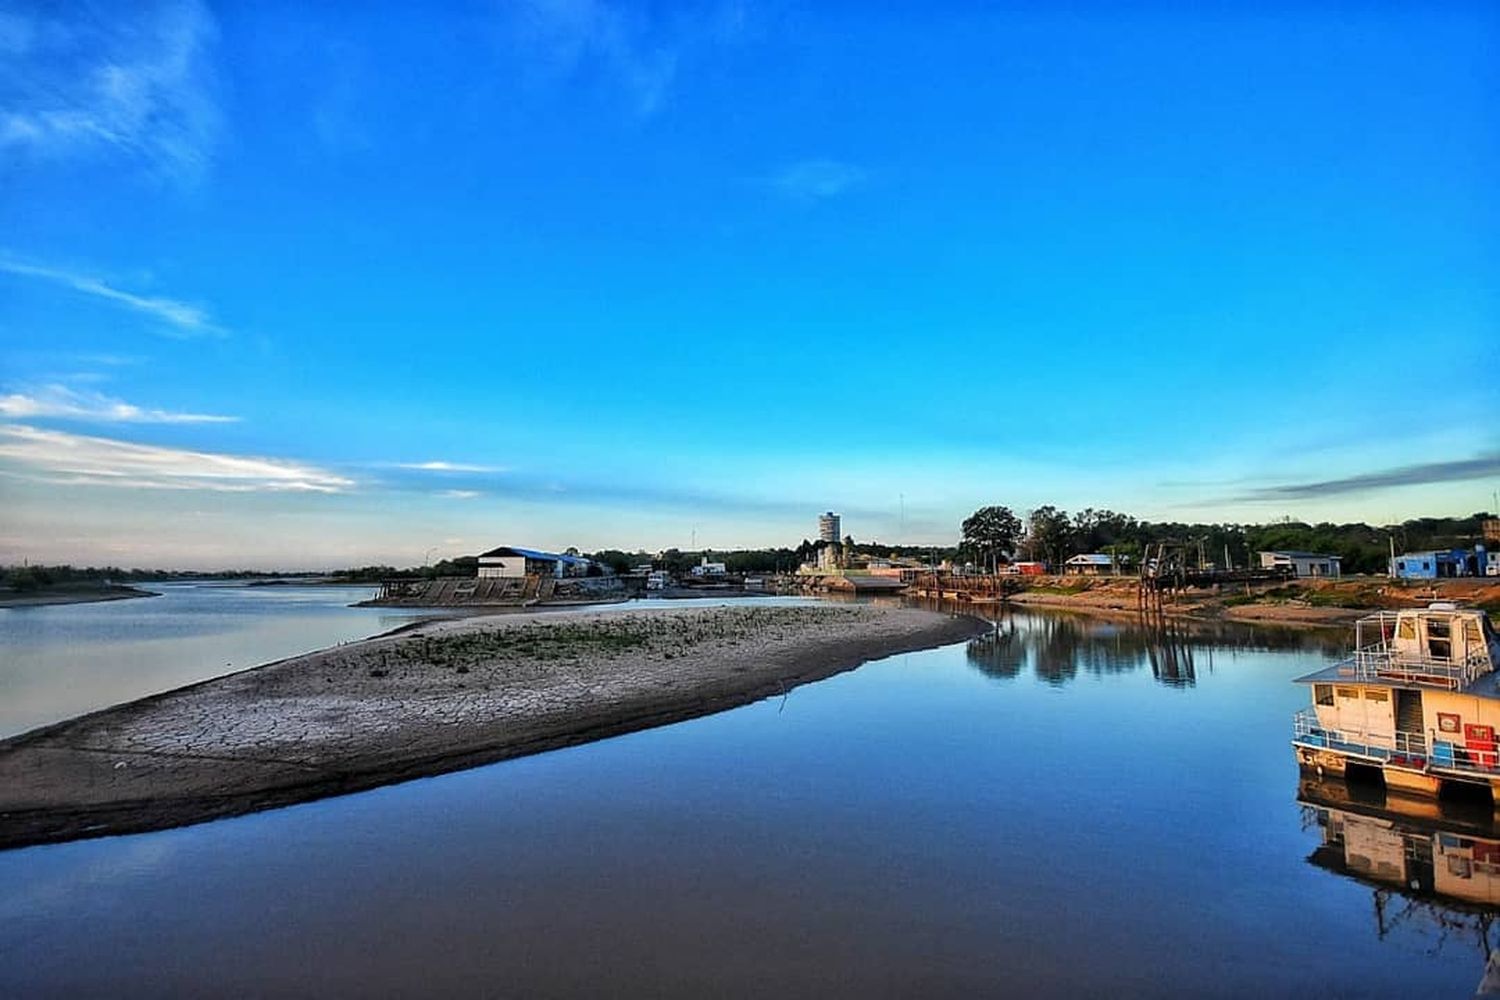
(511, 550)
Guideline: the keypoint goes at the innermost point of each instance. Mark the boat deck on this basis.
(1417, 675)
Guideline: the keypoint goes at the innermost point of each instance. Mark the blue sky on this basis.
(310, 287)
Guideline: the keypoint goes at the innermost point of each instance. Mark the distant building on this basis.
(508, 561)
(1094, 564)
(1444, 563)
(830, 557)
(1303, 564)
(829, 527)
(1027, 568)
(706, 568)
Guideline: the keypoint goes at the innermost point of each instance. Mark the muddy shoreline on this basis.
(429, 698)
(48, 597)
(1251, 614)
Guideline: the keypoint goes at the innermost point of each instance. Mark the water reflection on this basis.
(1431, 866)
(1058, 648)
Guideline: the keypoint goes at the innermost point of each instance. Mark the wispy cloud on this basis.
(460, 494)
(439, 466)
(132, 78)
(815, 180)
(1460, 470)
(75, 459)
(63, 402)
(181, 316)
(638, 49)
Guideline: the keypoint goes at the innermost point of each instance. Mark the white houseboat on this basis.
(1418, 703)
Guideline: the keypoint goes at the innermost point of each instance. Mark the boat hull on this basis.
(1320, 761)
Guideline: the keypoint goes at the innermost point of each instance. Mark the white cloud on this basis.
(189, 319)
(636, 49)
(815, 180)
(460, 494)
(133, 79)
(75, 459)
(60, 401)
(448, 467)
(573, 33)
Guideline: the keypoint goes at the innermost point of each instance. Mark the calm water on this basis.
(1068, 808)
(67, 659)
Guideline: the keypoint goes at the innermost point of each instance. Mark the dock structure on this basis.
(970, 588)
(1171, 567)
(851, 583)
(512, 591)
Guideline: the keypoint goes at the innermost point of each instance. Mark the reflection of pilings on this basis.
(998, 653)
(1171, 656)
(1060, 646)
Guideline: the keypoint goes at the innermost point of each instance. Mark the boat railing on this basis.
(1380, 662)
(1383, 747)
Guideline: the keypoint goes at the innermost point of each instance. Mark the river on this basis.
(1065, 807)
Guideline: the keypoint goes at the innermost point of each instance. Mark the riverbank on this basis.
(1300, 603)
(71, 593)
(437, 697)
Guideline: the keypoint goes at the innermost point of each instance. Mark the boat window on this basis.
(1323, 694)
(1439, 644)
(1407, 629)
(1375, 694)
(1472, 633)
(1348, 693)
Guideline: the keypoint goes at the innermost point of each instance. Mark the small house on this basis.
(1303, 564)
(1435, 565)
(1094, 564)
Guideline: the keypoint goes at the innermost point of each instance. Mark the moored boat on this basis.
(1417, 703)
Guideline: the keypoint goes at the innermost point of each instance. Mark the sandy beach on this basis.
(432, 698)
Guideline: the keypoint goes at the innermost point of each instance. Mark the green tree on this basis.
(990, 534)
(616, 560)
(1049, 535)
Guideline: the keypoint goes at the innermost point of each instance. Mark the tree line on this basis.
(995, 534)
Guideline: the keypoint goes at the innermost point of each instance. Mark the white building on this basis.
(829, 526)
(706, 568)
(508, 561)
(1303, 564)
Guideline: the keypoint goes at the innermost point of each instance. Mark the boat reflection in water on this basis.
(1426, 861)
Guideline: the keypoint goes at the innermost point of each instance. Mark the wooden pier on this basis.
(1169, 568)
(977, 588)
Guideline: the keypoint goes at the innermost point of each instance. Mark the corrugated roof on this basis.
(511, 550)
(1302, 555)
(1091, 559)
